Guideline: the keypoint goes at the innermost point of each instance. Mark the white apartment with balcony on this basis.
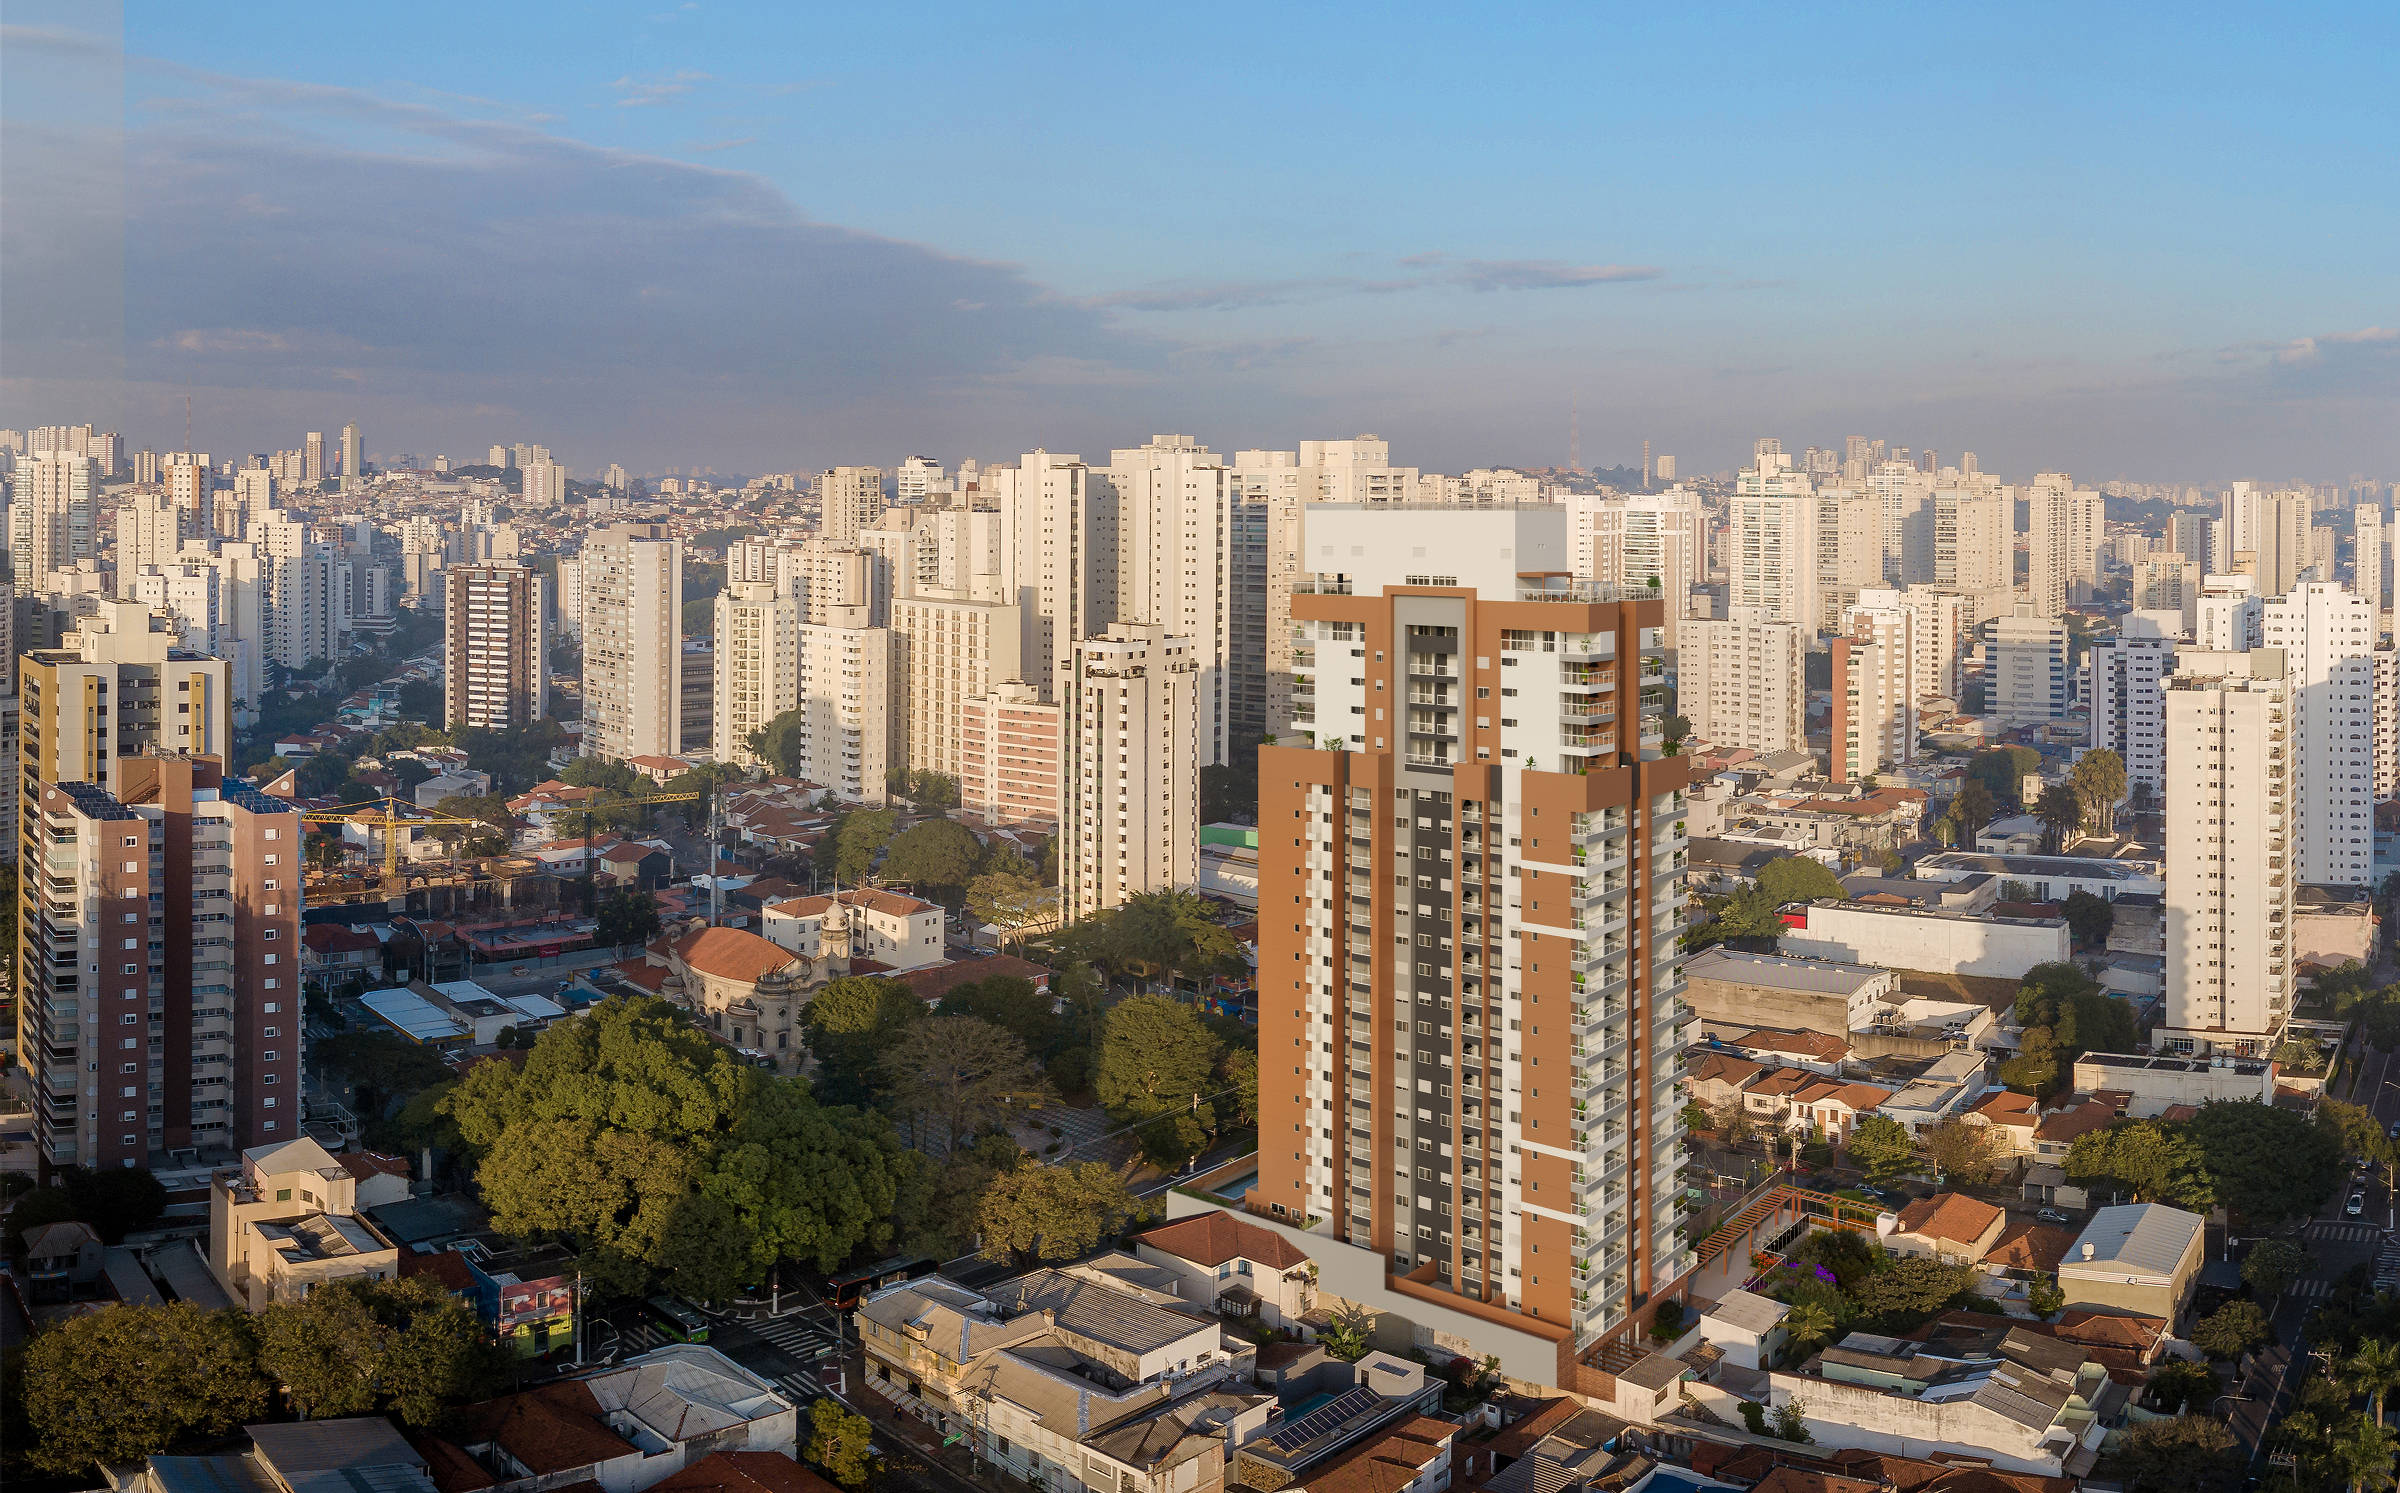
(2231, 877)
(1742, 682)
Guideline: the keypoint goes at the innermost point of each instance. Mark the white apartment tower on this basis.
(2229, 613)
(2064, 527)
(1058, 548)
(848, 499)
(1850, 530)
(354, 458)
(1640, 544)
(2025, 668)
(1936, 625)
(2327, 637)
(1771, 547)
(1974, 547)
(1741, 681)
(846, 705)
(1874, 725)
(55, 500)
(1132, 792)
(757, 664)
(2230, 876)
(2387, 724)
(2370, 548)
(632, 642)
(1175, 562)
(2129, 702)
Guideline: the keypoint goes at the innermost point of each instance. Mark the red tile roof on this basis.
(731, 954)
(2025, 1245)
(1821, 1045)
(937, 980)
(744, 1472)
(1214, 1237)
(1949, 1215)
(445, 1265)
(550, 1429)
(2066, 1124)
(365, 1164)
(338, 938)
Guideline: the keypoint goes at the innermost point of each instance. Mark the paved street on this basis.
(2336, 1244)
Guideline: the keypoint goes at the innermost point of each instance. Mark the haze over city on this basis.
(699, 235)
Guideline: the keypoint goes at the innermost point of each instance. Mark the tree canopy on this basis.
(1010, 1002)
(354, 1347)
(1041, 1212)
(2154, 1161)
(850, 1024)
(952, 1075)
(1882, 1147)
(2002, 772)
(1796, 878)
(1155, 1055)
(939, 856)
(126, 1382)
(657, 1154)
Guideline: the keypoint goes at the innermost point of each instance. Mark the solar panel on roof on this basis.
(1324, 1420)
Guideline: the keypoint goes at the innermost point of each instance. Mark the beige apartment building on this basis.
(946, 652)
(757, 664)
(494, 674)
(291, 1218)
(1741, 682)
(632, 642)
(1132, 793)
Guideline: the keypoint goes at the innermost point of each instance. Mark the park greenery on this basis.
(126, 1382)
(1840, 1280)
(2262, 1164)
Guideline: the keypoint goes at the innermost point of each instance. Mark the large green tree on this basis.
(657, 1154)
(1041, 1212)
(127, 1382)
(353, 1347)
(1009, 899)
(952, 1075)
(2002, 772)
(1796, 878)
(2099, 780)
(937, 856)
(2153, 1161)
(2190, 1453)
(2269, 1164)
(1008, 1001)
(1882, 1147)
(841, 1442)
(1155, 1055)
(850, 1025)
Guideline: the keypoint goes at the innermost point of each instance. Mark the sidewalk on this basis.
(921, 1439)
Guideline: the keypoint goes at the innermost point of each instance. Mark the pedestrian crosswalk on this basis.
(2343, 1233)
(798, 1337)
(2308, 1290)
(2387, 1266)
(803, 1387)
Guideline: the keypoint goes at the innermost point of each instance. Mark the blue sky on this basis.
(2126, 241)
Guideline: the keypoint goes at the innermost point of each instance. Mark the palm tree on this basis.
(2060, 808)
(1807, 1326)
(2363, 1452)
(2375, 1368)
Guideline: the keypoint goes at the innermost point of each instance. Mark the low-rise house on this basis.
(1948, 1226)
(2026, 1403)
(2010, 1118)
(2154, 1084)
(60, 1258)
(1223, 1264)
(331, 953)
(1720, 1078)
(2051, 878)
(291, 1218)
(1833, 1107)
(1821, 1053)
(2058, 1130)
(625, 1429)
(2135, 1257)
(1945, 1088)
(1065, 1379)
(1745, 1327)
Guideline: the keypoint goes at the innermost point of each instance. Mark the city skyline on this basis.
(572, 232)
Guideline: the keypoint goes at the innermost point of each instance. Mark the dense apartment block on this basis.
(2231, 880)
(2025, 668)
(1132, 781)
(1874, 723)
(756, 662)
(1011, 756)
(1742, 682)
(158, 953)
(493, 672)
(632, 642)
(2129, 701)
(2327, 638)
(945, 652)
(1470, 1017)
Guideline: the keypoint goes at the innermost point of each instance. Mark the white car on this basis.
(2358, 1205)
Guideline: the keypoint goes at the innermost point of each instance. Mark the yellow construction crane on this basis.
(383, 814)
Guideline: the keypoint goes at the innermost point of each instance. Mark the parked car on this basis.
(2052, 1215)
(2358, 1205)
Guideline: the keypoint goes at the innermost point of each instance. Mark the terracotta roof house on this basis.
(937, 980)
(1222, 1263)
(1949, 1226)
(2057, 1131)
(2011, 1117)
(892, 928)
